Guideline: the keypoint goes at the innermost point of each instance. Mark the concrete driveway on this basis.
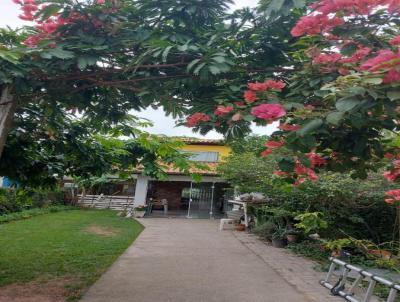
(181, 260)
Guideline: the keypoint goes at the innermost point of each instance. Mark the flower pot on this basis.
(292, 238)
(139, 214)
(279, 243)
(240, 227)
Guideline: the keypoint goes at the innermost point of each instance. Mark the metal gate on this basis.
(201, 203)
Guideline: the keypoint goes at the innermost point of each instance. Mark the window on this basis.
(209, 157)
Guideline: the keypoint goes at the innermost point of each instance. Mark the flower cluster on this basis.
(304, 173)
(271, 145)
(327, 14)
(269, 112)
(223, 110)
(393, 196)
(394, 173)
(289, 127)
(196, 118)
(48, 27)
(316, 160)
(250, 95)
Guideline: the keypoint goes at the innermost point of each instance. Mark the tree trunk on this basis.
(7, 110)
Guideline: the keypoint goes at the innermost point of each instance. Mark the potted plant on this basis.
(279, 238)
(140, 211)
(292, 235)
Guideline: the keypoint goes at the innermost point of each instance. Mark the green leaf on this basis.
(191, 64)
(219, 59)
(393, 95)
(58, 53)
(249, 118)
(334, 118)
(286, 164)
(299, 3)
(198, 68)
(375, 81)
(310, 126)
(166, 52)
(86, 61)
(347, 103)
(214, 69)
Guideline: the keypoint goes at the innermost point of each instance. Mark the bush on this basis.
(33, 212)
(16, 200)
(265, 230)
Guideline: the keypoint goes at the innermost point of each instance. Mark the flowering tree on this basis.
(104, 58)
(341, 96)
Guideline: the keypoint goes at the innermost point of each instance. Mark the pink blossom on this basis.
(274, 144)
(327, 58)
(275, 84)
(385, 58)
(315, 159)
(269, 112)
(266, 152)
(196, 118)
(250, 96)
(391, 76)
(288, 127)
(257, 86)
(395, 41)
(394, 196)
(222, 110)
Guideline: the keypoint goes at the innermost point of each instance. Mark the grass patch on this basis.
(59, 244)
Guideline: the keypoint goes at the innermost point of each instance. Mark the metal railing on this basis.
(339, 288)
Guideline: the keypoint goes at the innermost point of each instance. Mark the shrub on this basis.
(16, 200)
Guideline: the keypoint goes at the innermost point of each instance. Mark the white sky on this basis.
(162, 124)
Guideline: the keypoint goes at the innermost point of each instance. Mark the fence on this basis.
(119, 203)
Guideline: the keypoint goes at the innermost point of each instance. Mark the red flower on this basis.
(281, 173)
(222, 110)
(100, 1)
(196, 118)
(315, 24)
(391, 76)
(327, 58)
(250, 96)
(274, 144)
(266, 152)
(268, 84)
(394, 196)
(389, 155)
(391, 175)
(269, 112)
(395, 41)
(288, 127)
(315, 159)
(305, 172)
(385, 59)
(239, 104)
(275, 84)
(257, 86)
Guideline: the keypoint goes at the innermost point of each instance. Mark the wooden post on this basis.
(8, 105)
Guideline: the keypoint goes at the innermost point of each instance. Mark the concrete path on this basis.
(181, 260)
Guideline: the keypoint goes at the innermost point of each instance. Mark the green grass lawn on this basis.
(78, 244)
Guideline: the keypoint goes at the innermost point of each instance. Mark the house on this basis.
(185, 197)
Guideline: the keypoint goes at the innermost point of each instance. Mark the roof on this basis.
(201, 141)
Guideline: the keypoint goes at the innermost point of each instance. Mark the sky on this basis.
(161, 123)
